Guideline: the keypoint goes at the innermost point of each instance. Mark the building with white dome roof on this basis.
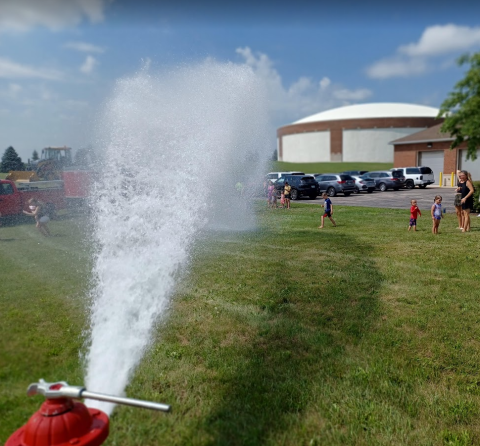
(354, 133)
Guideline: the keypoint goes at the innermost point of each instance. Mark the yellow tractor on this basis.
(49, 167)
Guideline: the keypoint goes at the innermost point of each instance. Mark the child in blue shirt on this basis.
(328, 210)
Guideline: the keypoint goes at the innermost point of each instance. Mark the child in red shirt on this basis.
(413, 215)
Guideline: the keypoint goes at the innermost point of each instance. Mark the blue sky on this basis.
(59, 59)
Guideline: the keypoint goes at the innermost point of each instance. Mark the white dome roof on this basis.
(374, 110)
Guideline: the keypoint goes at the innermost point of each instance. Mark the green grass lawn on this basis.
(279, 166)
(364, 334)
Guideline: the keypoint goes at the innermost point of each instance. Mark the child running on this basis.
(328, 210)
(413, 215)
(436, 213)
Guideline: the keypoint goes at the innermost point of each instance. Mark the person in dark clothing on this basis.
(466, 189)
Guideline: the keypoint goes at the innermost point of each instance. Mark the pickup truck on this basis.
(14, 196)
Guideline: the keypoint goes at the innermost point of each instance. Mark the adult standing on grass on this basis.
(458, 201)
(467, 190)
(39, 211)
(287, 190)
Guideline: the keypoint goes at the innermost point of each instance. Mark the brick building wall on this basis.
(406, 155)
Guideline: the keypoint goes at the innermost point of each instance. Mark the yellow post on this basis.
(451, 180)
(440, 179)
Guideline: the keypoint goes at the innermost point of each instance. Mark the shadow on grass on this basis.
(313, 309)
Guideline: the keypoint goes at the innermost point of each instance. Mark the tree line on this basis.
(12, 161)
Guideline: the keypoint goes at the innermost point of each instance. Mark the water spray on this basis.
(63, 421)
(174, 144)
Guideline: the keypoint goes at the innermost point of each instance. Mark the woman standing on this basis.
(466, 189)
(458, 201)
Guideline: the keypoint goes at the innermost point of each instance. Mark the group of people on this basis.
(463, 203)
(435, 211)
(284, 196)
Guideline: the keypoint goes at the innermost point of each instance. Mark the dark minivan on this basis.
(302, 185)
(388, 179)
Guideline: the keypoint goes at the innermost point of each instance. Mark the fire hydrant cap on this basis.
(62, 422)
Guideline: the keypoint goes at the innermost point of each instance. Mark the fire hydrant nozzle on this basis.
(62, 389)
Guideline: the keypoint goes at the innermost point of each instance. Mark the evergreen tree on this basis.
(35, 155)
(461, 109)
(11, 161)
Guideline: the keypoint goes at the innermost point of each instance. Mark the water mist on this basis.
(173, 146)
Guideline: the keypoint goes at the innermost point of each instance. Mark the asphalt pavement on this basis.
(392, 199)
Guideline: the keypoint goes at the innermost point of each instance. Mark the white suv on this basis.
(420, 176)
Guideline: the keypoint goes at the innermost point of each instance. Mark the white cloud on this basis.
(14, 89)
(84, 47)
(303, 97)
(13, 70)
(417, 58)
(397, 67)
(45, 94)
(23, 15)
(325, 82)
(88, 65)
(443, 39)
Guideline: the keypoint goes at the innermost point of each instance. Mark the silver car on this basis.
(363, 183)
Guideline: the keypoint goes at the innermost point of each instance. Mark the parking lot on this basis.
(394, 199)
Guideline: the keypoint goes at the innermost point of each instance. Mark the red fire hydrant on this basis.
(61, 421)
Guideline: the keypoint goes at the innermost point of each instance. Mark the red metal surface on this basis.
(62, 422)
(76, 183)
(14, 201)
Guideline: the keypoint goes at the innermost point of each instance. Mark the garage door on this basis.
(434, 160)
(471, 166)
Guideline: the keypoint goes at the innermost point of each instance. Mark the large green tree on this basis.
(461, 109)
(11, 161)
(35, 155)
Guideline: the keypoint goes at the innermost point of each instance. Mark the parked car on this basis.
(420, 176)
(354, 172)
(388, 179)
(274, 176)
(333, 183)
(364, 183)
(302, 185)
